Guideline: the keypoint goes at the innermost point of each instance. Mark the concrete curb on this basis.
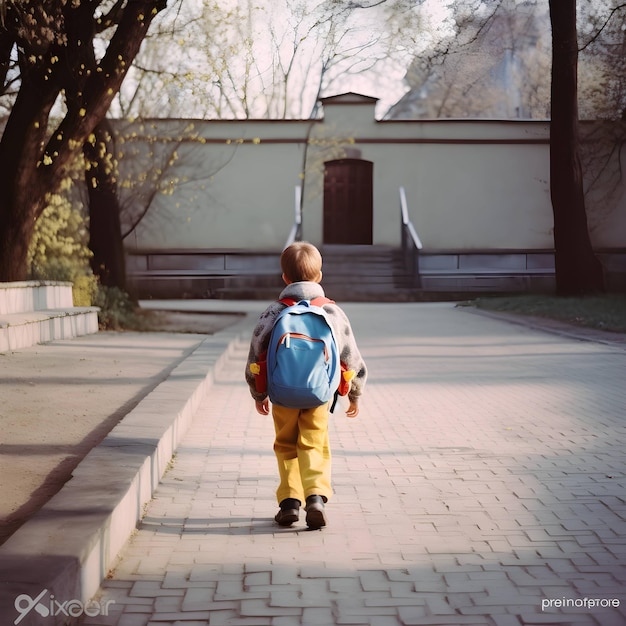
(65, 551)
(554, 327)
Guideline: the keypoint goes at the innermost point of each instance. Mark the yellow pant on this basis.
(302, 452)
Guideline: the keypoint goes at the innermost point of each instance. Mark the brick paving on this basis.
(482, 481)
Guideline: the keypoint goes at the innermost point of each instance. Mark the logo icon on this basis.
(31, 603)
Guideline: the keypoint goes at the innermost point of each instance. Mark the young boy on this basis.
(301, 444)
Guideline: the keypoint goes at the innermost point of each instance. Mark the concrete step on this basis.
(22, 297)
(339, 293)
(185, 287)
(22, 330)
(37, 312)
(365, 268)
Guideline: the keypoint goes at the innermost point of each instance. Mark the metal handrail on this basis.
(406, 220)
(295, 234)
(411, 243)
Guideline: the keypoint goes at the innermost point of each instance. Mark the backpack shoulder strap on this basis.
(319, 301)
(288, 301)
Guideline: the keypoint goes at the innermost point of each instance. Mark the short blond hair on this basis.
(301, 261)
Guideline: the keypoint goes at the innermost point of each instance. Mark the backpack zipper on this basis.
(286, 339)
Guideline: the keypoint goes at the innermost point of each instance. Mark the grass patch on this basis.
(605, 312)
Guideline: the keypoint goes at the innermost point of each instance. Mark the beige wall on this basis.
(235, 188)
(470, 185)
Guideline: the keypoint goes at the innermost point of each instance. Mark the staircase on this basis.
(359, 273)
(365, 273)
(35, 312)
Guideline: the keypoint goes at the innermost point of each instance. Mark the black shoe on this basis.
(289, 512)
(315, 515)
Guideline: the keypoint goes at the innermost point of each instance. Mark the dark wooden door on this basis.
(348, 201)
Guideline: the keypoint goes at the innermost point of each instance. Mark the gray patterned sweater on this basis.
(346, 343)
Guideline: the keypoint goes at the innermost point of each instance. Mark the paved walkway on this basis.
(482, 484)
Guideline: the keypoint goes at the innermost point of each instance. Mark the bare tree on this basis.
(494, 61)
(602, 60)
(264, 59)
(495, 54)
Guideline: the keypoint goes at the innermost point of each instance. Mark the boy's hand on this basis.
(353, 409)
(263, 406)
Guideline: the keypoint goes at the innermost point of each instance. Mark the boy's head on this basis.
(301, 261)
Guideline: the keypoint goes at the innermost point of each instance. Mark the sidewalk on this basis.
(482, 484)
(61, 398)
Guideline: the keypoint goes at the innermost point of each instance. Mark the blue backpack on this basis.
(303, 367)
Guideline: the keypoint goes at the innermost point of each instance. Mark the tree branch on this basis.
(608, 19)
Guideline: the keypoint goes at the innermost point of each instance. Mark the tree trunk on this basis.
(105, 236)
(578, 270)
(23, 192)
(15, 238)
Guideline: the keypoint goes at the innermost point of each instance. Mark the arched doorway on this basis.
(348, 201)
